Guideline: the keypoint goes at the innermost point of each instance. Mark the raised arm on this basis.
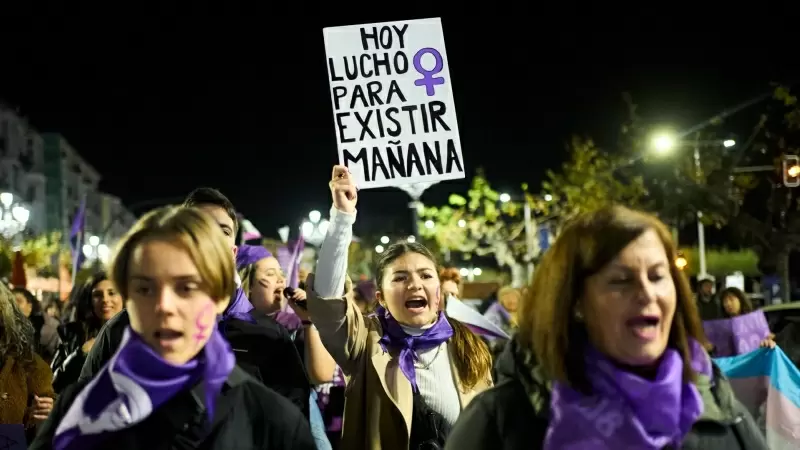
(331, 269)
(340, 324)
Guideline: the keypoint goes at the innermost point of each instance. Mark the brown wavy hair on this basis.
(472, 358)
(547, 322)
(16, 331)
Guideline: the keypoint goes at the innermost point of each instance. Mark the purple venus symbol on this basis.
(428, 80)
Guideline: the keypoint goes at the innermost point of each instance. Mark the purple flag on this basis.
(76, 237)
(289, 257)
(737, 335)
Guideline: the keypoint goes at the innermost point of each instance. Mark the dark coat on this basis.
(264, 349)
(247, 415)
(504, 418)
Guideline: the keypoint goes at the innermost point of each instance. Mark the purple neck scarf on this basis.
(395, 338)
(239, 308)
(136, 382)
(627, 411)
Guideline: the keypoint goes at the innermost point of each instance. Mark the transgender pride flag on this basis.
(768, 384)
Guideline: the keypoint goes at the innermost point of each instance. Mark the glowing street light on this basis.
(681, 262)
(314, 216)
(664, 142)
(13, 216)
(379, 249)
(429, 224)
(728, 143)
(548, 198)
(384, 239)
(412, 239)
(505, 198)
(462, 223)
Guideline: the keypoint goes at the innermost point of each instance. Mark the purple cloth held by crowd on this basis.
(625, 410)
(737, 335)
(394, 337)
(136, 382)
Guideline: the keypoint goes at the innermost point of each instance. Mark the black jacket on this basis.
(69, 358)
(504, 418)
(264, 349)
(247, 416)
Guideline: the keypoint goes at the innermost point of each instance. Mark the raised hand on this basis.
(343, 189)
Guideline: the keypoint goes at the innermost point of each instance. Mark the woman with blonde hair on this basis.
(410, 370)
(609, 353)
(26, 383)
(173, 382)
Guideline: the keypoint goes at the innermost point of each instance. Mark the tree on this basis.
(481, 224)
(38, 251)
(677, 185)
(589, 180)
(723, 262)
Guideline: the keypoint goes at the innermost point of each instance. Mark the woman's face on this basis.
(106, 301)
(732, 305)
(168, 303)
(449, 287)
(628, 306)
(24, 305)
(510, 301)
(266, 289)
(410, 290)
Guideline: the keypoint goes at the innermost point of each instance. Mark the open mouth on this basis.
(166, 335)
(416, 304)
(645, 326)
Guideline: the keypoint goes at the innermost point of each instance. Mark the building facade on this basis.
(51, 178)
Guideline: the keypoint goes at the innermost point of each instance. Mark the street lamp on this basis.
(315, 228)
(13, 216)
(505, 198)
(470, 273)
(379, 249)
(384, 239)
(96, 251)
(668, 141)
(412, 239)
(429, 224)
(462, 223)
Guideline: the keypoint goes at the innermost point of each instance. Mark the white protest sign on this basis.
(393, 108)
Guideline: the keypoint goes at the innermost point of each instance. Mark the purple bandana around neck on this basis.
(239, 308)
(627, 411)
(136, 382)
(394, 337)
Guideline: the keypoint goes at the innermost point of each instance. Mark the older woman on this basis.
(609, 353)
(173, 382)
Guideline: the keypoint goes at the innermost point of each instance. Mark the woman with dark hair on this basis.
(609, 353)
(410, 369)
(45, 328)
(736, 303)
(26, 388)
(95, 302)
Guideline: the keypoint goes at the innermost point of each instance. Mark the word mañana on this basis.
(399, 162)
(381, 123)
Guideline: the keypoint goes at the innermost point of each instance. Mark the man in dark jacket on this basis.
(263, 347)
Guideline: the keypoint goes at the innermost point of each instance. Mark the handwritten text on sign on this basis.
(393, 104)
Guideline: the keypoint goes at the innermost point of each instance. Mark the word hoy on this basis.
(413, 161)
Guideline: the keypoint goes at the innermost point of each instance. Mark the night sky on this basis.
(241, 102)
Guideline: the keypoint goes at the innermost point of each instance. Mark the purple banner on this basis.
(738, 335)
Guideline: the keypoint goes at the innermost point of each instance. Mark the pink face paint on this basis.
(202, 323)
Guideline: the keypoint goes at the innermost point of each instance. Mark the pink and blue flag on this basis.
(768, 384)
